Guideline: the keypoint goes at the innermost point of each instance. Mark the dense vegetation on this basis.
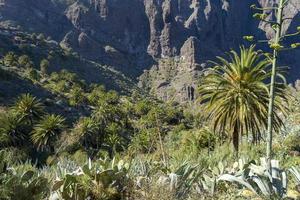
(137, 147)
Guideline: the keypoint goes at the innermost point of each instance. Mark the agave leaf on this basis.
(231, 178)
(57, 185)
(209, 183)
(127, 166)
(256, 169)
(296, 173)
(221, 167)
(113, 162)
(105, 177)
(87, 170)
(173, 181)
(262, 185)
(27, 176)
(90, 163)
(120, 164)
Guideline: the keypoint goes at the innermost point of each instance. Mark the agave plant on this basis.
(28, 108)
(47, 130)
(259, 180)
(208, 181)
(181, 179)
(296, 173)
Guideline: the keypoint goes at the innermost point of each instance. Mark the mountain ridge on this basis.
(138, 37)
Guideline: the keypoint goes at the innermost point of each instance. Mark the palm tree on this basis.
(236, 96)
(47, 130)
(113, 139)
(87, 130)
(28, 108)
(12, 130)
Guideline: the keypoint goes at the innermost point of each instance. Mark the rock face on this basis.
(138, 35)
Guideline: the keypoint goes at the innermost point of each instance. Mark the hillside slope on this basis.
(132, 36)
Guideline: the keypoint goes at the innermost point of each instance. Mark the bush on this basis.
(25, 61)
(10, 59)
(44, 65)
(33, 74)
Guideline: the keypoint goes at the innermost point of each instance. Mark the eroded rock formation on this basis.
(138, 35)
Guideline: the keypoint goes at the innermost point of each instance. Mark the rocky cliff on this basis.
(164, 42)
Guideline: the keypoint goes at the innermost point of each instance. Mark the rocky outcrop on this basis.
(133, 35)
(190, 54)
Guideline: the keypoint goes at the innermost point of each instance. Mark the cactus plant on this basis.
(102, 179)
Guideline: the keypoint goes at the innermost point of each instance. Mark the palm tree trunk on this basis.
(235, 139)
(272, 85)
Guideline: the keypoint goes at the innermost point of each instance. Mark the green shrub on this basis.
(44, 65)
(10, 59)
(33, 74)
(25, 62)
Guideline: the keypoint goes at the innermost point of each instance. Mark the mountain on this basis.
(161, 45)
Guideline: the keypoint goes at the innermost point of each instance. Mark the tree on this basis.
(113, 138)
(10, 59)
(33, 74)
(44, 65)
(46, 131)
(28, 108)
(236, 96)
(76, 96)
(41, 37)
(86, 131)
(276, 45)
(24, 61)
(12, 130)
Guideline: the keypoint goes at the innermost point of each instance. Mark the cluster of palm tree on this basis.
(26, 121)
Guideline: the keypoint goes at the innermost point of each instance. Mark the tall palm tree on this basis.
(46, 131)
(236, 96)
(28, 108)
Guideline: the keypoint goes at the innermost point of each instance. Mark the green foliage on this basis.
(46, 131)
(76, 96)
(21, 182)
(291, 143)
(296, 173)
(33, 74)
(28, 108)
(86, 131)
(25, 61)
(256, 178)
(113, 138)
(44, 65)
(199, 140)
(41, 37)
(237, 97)
(180, 179)
(62, 82)
(101, 180)
(12, 129)
(25, 186)
(97, 92)
(143, 107)
(10, 59)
